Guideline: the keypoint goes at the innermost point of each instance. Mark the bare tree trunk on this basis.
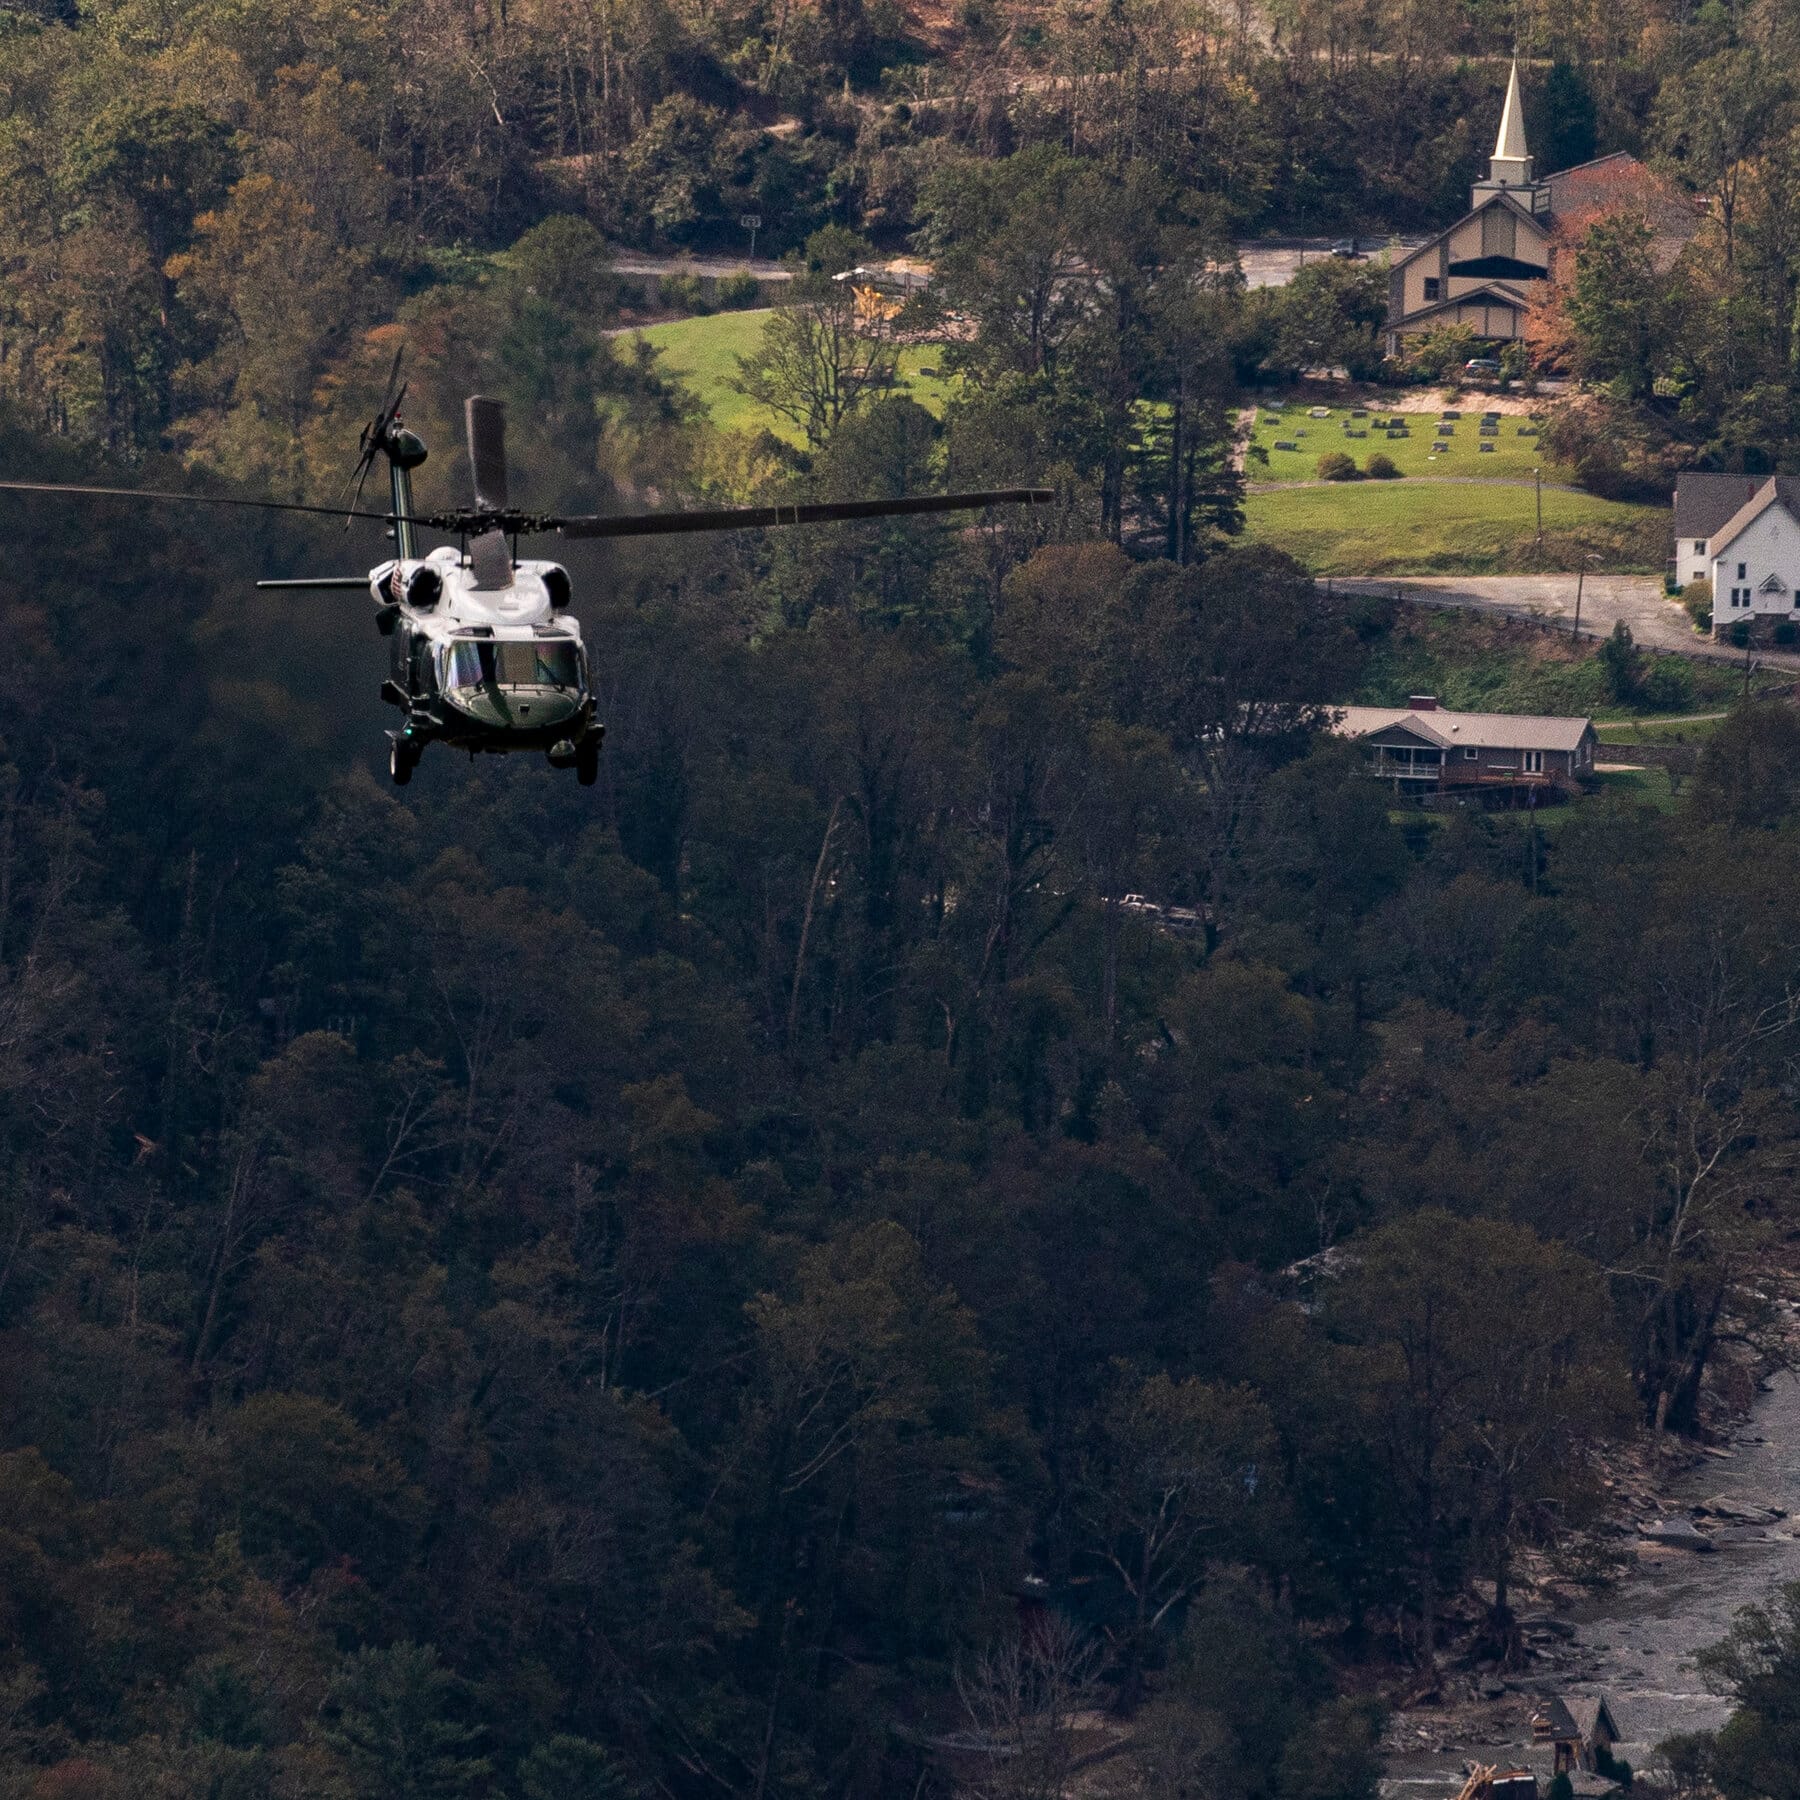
(812, 896)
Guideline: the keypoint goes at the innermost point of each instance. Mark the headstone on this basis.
(1285, 444)
(1451, 413)
(1356, 434)
(1485, 449)
(1318, 412)
(1676, 1532)
(1359, 412)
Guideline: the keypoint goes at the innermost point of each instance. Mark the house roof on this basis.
(1592, 1715)
(1705, 501)
(1487, 731)
(1782, 490)
(1553, 1716)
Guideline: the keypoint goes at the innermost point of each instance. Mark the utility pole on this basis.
(1537, 481)
(1580, 577)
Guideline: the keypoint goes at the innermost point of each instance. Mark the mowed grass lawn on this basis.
(1512, 455)
(703, 354)
(1440, 528)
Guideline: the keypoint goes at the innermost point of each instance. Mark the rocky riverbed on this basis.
(1730, 1535)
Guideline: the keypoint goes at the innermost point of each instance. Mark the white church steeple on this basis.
(1510, 165)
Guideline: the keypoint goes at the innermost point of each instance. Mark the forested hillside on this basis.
(746, 1278)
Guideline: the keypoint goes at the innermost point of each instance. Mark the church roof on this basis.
(1782, 490)
(1509, 146)
(1619, 183)
(1504, 197)
(1705, 501)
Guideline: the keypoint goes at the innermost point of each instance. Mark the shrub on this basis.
(1785, 632)
(1372, 616)
(1381, 468)
(1737, 633)
(1669, 687)
(1697, 598)
(684, 294)
(737, 292)
(1334, 465)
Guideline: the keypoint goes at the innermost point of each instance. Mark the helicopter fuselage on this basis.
(484, 668)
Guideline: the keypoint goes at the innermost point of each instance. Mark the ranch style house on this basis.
(1499, 759)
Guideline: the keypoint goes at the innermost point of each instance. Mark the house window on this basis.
(1743, 570)
(1470, 752)
(1534, 762)
(1433, 288)
(1699, 546)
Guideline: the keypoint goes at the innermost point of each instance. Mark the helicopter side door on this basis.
(413, 664)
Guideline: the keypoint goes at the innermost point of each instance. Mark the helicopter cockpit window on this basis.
(534, 664)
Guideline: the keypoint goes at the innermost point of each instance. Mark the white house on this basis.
(1704, 504)
(1754, 561)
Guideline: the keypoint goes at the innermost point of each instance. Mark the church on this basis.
(1491, 266)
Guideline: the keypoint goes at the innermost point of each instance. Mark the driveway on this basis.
(1657, 623)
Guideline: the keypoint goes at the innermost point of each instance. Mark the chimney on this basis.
(1421, 703)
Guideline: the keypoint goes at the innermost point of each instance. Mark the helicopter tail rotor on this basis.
(375, 433)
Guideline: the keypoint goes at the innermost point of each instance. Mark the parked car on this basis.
(1482, 365)
(1346, 248)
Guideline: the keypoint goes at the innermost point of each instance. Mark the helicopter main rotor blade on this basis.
(116, 493)
(741, 518)
(486, 420)
(319, 581)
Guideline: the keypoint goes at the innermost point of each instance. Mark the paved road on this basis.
(1657, 623)
(1274, 264)
(1265, 264)
(640, 262)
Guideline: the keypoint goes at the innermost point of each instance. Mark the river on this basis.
(1635, 1643)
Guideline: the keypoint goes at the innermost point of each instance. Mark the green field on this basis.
(1435, 528)
(1513, 456)
(704, 354)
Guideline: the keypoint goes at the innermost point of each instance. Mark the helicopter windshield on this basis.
(538, 663)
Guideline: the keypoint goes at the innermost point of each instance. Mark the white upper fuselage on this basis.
(515, 694)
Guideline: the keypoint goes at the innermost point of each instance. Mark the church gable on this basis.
(1499, 241)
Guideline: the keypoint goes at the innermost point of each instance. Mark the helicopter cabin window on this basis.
(540, 663)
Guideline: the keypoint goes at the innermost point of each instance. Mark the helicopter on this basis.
(485, 653)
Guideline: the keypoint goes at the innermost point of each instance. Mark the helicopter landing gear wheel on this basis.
(587, 761)
(402, 760)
